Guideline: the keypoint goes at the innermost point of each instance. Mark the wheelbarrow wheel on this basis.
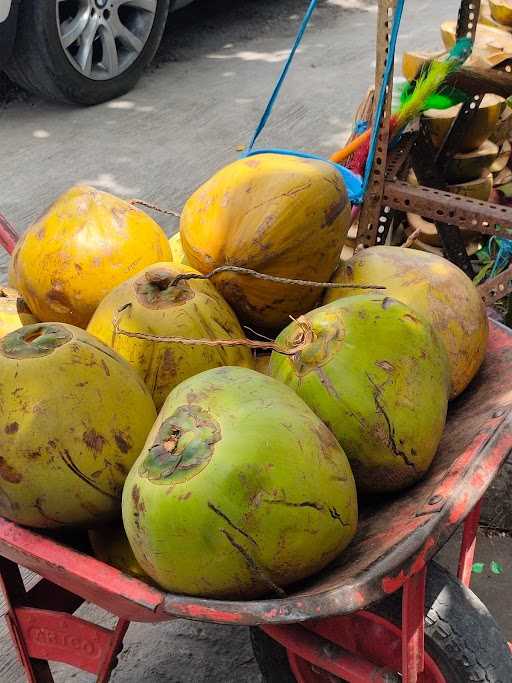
(462, 640)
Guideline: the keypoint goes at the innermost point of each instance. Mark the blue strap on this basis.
(282, 76)
(356, 186)
(397, 18)
(352, 180)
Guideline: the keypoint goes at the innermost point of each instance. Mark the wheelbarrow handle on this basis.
(8, 235)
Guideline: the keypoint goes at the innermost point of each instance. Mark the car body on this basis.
(44, 49)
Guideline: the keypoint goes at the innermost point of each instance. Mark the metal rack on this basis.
(389, 196)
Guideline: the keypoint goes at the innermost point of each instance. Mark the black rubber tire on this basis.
(39, 64)
(461, 636)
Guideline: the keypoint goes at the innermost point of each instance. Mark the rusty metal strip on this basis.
(469, 11)
(370, 220)
(399, 156)
(454, 209)
(496, 288)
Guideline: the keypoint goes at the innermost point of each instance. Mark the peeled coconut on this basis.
(85, 244)
(501, 11)
(276, 214)
(466, 166)
(177, 253)
(439, 122)
(493, 44)
(430, 240)
(502, 159)
(412, 62)
(110, 545)
(435, 289)
(239, 491)
(74, 418)
(14, 312)
(377, 376)
(192, 309)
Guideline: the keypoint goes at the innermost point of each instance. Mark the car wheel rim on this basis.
(102, 38)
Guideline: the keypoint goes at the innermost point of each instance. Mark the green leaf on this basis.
(496, 567)
(478, 567)
(483, 273)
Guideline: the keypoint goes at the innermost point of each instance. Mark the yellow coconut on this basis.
(501, 11)
(74, 418)
(84, 245)
(110, 544)
(439, 122)
(435, 289)
(177, 253)
(470, 165)
(191, 309)
(412, 62)
(276, 214)
(14, 312)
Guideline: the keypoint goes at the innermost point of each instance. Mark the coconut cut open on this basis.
(466, 166)
(502, 159)
(478, 130)
(480, 189)
(501, 11)
(412, 62)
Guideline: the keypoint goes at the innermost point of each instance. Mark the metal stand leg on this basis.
(413, 628)
(44, 629)
(467, 548)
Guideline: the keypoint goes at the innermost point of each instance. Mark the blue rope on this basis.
(504, 255)
(282, 76)
(356, 186)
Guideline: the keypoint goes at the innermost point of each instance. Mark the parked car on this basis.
(81, 51)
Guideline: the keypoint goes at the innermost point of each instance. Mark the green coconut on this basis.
(377, 375)
(73, 418)
(240, 489)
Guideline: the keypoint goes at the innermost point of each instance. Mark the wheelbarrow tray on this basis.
(396, 536)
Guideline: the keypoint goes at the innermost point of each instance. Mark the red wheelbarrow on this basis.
(383, 612)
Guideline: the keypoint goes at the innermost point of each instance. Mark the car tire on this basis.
(40, 64)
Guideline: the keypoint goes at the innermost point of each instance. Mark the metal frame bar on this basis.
(41, 635)
(444, 208)
(468, 545)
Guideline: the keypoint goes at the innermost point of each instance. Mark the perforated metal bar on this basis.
(467, 21)
(454, 209)
(370, 220)
(497, 288)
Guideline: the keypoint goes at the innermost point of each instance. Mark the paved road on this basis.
(195, 106)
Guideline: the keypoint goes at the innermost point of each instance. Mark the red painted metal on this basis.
(366, 634)
(468, 545)
(43, 635)
(8, 235)
(60, 637)
(327, 656)
(413, 628)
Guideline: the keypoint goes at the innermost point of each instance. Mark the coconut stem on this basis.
(305, 337)
(271, 278)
